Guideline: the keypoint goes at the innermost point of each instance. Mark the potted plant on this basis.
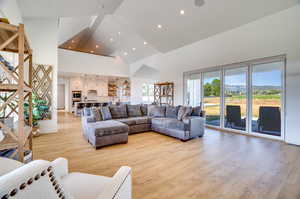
(40, 111)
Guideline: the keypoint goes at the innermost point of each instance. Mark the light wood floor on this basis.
(218, 166)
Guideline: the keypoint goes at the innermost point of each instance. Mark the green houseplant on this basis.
(40, 110)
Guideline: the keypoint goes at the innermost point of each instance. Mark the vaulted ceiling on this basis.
(129, 28)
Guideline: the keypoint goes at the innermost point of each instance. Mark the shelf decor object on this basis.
(164, 93)
(15, 91)
(42, 87)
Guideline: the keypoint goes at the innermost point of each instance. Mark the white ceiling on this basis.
(66, 8)
(214, 17)
(137, 20)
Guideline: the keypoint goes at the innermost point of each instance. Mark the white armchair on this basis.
(49, 180)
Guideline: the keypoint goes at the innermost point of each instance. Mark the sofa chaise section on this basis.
(104, 133)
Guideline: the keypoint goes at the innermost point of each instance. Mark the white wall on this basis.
(77, 62)
(273, 35)
(10, 9)
(43, 36)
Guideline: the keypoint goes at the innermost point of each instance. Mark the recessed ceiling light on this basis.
(97, 46)
(119, 33)
(145, 43)
(125, 53)
(182, 12)
(159, 26)
(133, 49)
(111, 39)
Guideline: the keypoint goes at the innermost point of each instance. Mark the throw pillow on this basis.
(188, 112)
(183, 112)
(144, 109)
(134, 110)
(105, 112)
(197, 111)
(118, 112)
(95, 113)
(156, 111)
(172, 111)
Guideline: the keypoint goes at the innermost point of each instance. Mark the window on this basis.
(212, 97)
(246, 97)
(194, 90)
(148, 93)
(267, 90)
(235, 98)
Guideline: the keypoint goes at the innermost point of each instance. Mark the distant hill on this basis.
(237, 88)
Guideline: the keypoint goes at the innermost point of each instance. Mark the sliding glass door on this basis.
(247, 97)
(212, 97)
(267, 92)
(235, 98)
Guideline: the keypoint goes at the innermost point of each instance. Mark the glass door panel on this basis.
(194, 91)
(267, 92)
(235, 98)
(212, 97)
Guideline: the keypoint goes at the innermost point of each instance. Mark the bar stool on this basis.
(104, 104)
(88, 105)
(80, 106)
(96, 105)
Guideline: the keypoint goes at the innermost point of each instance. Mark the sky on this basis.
(269, 74)
(267, 78)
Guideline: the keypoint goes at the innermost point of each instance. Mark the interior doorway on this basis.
(61, 97)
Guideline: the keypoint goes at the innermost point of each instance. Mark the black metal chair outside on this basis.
(233, 117)
(269, 120)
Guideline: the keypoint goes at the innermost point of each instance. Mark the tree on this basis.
(216, 87)
(207, 90)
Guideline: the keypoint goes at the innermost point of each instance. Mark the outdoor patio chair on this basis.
(234, 118)
(269, 120)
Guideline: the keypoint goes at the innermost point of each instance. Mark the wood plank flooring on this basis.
(217, 166)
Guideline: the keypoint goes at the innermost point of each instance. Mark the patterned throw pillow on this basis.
(172, 111)
(183, 112)
(118, 112)
(134, 110)
(156, 111)
(188, 112)
(96, 114)
(105, 112)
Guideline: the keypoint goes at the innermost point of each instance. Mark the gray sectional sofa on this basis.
(111, 125)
